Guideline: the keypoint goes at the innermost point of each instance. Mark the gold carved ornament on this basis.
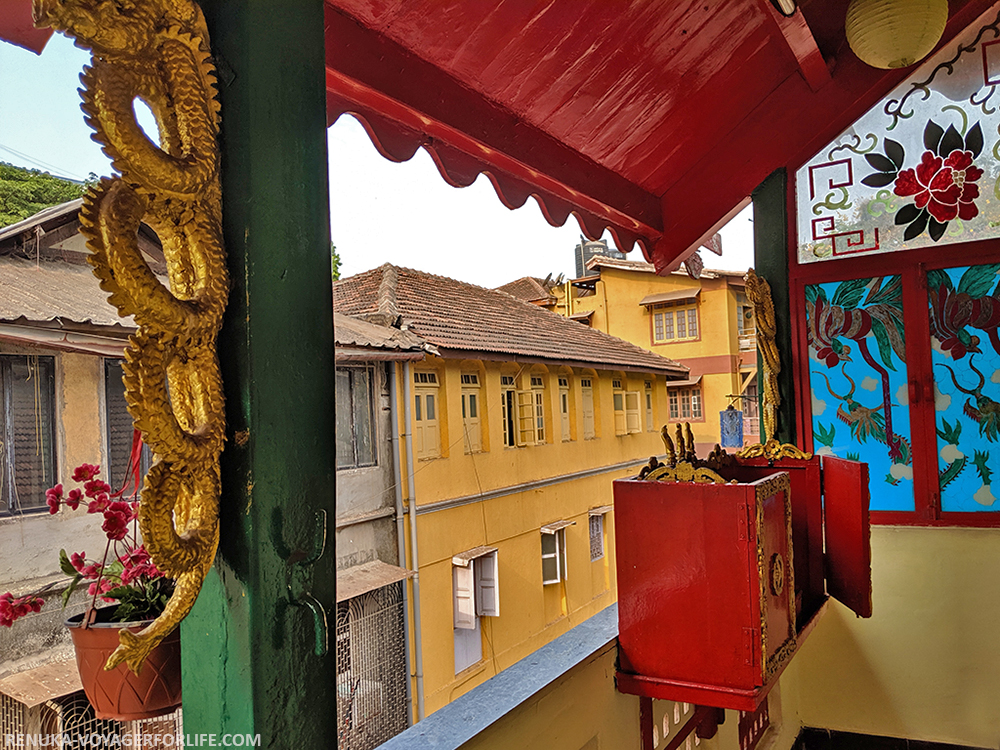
(158, 51)
(682, 464)
(759, 293)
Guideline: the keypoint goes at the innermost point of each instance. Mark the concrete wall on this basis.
(926, 666)
(30, 543)
(365, 491)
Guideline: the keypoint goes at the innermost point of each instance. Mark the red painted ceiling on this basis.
(654, 118)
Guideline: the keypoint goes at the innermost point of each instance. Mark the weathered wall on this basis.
(30, 543)
(365, 491)
(926, 666)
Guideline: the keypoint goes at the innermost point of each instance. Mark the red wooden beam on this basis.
(430, 107)
(797, 34)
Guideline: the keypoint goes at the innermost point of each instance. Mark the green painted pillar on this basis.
(249, 657)
(770, 239)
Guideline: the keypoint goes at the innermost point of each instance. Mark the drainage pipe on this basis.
(411, 496)
(391, 370)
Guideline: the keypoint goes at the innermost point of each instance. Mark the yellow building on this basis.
(518, 423)
(704, 323)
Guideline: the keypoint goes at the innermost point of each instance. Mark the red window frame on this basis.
(913, 266)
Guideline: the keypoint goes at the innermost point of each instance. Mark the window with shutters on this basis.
(471, 409)
(554, 552)
(685, 403)
(27, 431)
(675, 321)
(564, 407)
(633, 421)
(426, 427)
(538, 401)
(476, 594)
(587, 399)
(356, 441)
(118, 429)
(508, 410)
(618, 397)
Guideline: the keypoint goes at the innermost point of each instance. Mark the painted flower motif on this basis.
(944, 186)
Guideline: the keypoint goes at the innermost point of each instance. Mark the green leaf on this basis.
(65, 565)
(906, 214)
(849, 293)
(895, 152)
(974, 140)
(978, 280)
(70, 589)
(951, 141)
(917, 227)
(981, 460)
(936, 228)
(884, 347)
(937, 279)
(880, 162)
(932, 136)
(815, 292)
(879, 179)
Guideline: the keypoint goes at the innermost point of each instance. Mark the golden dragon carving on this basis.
(158, 51)
(759, 293)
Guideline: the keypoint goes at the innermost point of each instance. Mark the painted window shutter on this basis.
(525, 418)
(621, 427)
(465, 606)
(632, 422)
(487, 586)
(588, 413)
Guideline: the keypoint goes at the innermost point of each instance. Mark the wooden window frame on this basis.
(913, 266)
(10, 501)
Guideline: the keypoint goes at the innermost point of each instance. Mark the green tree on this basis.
(24, 192)
(334, 262)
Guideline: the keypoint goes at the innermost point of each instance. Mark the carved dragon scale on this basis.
(158, 51)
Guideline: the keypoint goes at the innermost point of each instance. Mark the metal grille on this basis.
(371, 668)
(69, 722)
(596, 537)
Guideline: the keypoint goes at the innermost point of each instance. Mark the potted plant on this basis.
(127, 579)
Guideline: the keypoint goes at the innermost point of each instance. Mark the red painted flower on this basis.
(945, 187)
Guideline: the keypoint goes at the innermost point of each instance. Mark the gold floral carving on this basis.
(772, 450)
(158, 51)
(684, 472)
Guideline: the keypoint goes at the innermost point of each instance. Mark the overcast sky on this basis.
(379, 211)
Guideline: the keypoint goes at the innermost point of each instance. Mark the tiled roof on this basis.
(350, 331)
(54, 290)
(454, 315)
(527, 288)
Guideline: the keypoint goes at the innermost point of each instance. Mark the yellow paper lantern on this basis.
(895, 33)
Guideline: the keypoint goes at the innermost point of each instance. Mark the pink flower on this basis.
(95, 488)
(12, 609)
(74, 498)
(115, 524)
(85, 472)
(78, 560)
(98, 505)
(945, 187)
(53, 496)
(104, 587)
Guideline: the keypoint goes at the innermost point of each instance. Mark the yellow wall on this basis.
(531, 614)
(617, 311)
(926, 666)
(580, 711)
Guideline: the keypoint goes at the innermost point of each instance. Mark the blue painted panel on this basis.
(965, 352)
(858, 382)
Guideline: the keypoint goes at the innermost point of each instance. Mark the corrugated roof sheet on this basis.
(454, 315)
(54, 290)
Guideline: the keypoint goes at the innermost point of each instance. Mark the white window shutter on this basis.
(465, 606)
(487, 586)
(525, 418)
(632, 422)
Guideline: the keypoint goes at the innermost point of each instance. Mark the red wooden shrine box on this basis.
(719, 584)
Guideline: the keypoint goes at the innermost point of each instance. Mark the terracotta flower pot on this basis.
(119, 694)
